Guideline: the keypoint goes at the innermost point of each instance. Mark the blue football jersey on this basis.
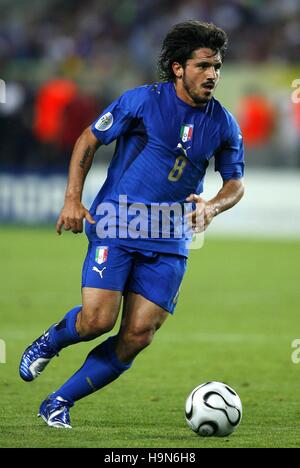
(163, 147)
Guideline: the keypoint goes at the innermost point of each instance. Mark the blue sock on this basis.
(101, 367)
(64, 333)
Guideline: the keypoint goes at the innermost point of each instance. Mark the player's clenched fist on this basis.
(72, 216)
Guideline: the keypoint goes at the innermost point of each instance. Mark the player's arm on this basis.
(73, 211)
(229, 195)
(229, 162)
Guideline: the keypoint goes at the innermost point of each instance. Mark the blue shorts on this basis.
(155, 275)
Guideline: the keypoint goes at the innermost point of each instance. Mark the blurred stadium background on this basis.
(63, 61)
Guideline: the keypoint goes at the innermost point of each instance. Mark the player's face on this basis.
(196, 82)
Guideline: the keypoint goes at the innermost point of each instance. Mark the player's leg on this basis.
(100, 367)
(146, 308)
(106, 362)
(100, 308)
(154, 289)
(96, 316)
(141, 319)
(101, 297)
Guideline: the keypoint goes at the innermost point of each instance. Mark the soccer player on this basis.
(166, 134)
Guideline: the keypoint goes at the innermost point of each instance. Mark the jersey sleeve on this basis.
(115, 120)
(229, 159)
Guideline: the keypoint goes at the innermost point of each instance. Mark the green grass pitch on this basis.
(237, 316)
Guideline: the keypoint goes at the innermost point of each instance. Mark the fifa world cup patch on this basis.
(186, 132)
(101, 255)
(105, 122)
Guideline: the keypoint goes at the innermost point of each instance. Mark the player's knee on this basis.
(138, 339)
(95, 324)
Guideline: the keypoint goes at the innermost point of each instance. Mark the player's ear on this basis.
(177, 69)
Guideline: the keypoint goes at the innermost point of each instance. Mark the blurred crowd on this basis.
(65, 60)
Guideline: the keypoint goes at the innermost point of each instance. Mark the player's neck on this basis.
(184, 96)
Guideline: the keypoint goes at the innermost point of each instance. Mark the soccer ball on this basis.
(213, 409)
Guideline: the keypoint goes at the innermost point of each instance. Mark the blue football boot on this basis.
(55, 412)
(36, 357)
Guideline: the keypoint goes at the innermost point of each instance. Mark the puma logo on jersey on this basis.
(183, 149)
(99, 271)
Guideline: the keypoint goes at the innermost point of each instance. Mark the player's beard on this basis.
(196, 98)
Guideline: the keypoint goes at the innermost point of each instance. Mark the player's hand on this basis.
(72, 216)
(203, 215)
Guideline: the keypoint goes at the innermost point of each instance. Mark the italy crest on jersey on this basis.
(101, 255)
(186, 132)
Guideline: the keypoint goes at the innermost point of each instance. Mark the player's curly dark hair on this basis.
(181, 41)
